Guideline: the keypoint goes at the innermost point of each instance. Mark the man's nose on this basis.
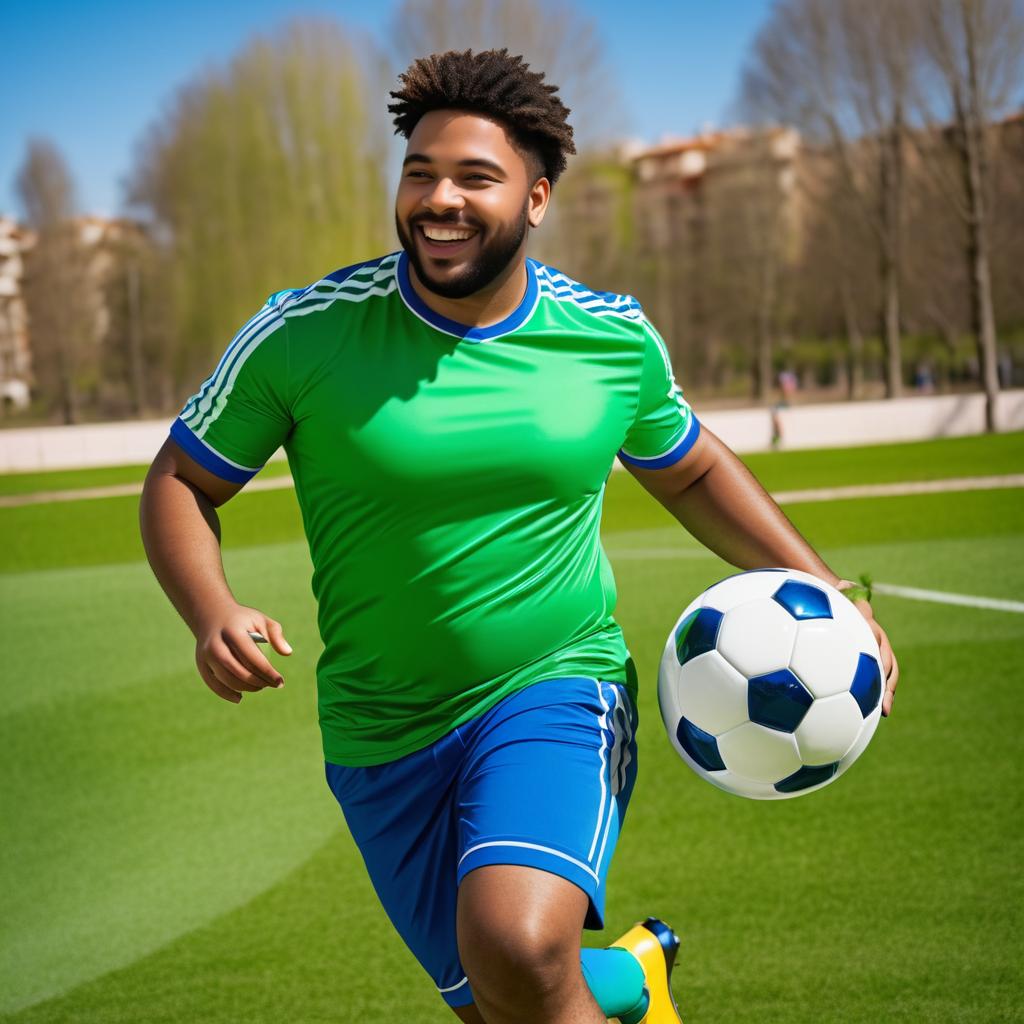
(443, 196)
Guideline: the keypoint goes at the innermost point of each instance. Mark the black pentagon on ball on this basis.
(777, 700)
(803, 600)
(700, 745)
(697, 633)
(809, 775)
(867, 684)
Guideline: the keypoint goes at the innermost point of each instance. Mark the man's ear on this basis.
(540, 194)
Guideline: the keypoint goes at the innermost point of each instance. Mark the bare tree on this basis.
(60, 317)
(975, 51)
(836, 278)
(1007, 242)
(589, 231)
(749, 236)
(554, 37)
(839, 70)
(136, 350)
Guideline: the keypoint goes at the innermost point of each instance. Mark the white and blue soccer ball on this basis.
(770, 684)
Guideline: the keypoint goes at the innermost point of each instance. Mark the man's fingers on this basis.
(251, 658)
(230, 671)
(226, 679)
(889, 666)
(275, 634)
(890, 686)
(892, 671)
(216, 685)
(887, 698)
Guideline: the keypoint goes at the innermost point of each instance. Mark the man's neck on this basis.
(484, 308)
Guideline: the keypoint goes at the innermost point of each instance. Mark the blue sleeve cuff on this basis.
(209, 459)
(674, 454)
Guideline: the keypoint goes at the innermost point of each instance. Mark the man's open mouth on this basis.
(441, 240)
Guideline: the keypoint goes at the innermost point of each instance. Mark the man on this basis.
(451, 413)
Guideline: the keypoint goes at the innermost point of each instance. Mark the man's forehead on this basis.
(460, 129)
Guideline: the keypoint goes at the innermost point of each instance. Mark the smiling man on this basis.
(451, 413)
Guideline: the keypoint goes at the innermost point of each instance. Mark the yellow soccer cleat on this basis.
(654, 945)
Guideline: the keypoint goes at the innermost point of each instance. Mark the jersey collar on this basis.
(515, 319)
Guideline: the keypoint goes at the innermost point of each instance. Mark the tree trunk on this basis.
(974, 166)
(891, 328)
(65, 376)
(983, 320)
(765, 315)
(135, 342)
(891, 198)
(854, 344)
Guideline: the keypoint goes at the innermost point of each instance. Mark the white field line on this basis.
(942, 597)
(274, 483)
(270, 483)
(963, 483)
(912, 593)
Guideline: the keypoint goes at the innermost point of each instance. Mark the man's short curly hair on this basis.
(496, 85)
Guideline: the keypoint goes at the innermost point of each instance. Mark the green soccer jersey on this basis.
(450, 480)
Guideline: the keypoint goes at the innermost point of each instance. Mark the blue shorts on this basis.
(542, 779)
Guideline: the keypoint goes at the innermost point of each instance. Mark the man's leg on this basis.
(402, 816)
(543, 789)
(519, 942)
(468, 1014)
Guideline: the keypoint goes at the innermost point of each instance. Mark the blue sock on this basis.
(616, 981)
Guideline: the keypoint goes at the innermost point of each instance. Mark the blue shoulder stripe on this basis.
(563, 288)
(673, 455)
(343, 273)
(208, 457)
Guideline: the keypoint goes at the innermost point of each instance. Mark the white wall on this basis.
(844, 424)
(745, 430)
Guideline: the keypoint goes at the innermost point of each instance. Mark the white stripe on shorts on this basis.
(602, 724)
(534, 846)
(612, 807)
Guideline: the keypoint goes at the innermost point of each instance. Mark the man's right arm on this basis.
(181, 535)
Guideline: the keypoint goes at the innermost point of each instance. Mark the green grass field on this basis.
(168, 857)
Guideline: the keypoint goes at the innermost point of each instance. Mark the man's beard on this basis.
(495, 256)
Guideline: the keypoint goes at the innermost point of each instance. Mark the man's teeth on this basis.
(447, 234)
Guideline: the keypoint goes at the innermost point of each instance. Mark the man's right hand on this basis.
(229, 660)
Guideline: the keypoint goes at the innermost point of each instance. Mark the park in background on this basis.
(856, 231)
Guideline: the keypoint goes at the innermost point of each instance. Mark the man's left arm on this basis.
(720, 502)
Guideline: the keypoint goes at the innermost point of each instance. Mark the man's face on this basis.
(464, 202)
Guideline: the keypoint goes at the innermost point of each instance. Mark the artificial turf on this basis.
(825, 467)
(169, 857)
(95, 476)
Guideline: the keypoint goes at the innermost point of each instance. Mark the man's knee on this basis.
(515, 959)
(523, 951)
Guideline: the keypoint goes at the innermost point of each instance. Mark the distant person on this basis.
(1005, 368)
(451, 414)
(776, 415)
(924, 379)
(787, 389)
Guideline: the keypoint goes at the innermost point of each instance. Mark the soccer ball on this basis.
(770, 684)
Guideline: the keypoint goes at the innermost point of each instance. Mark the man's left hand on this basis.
(889, 666)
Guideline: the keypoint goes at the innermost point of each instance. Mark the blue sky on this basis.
(90, 77)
